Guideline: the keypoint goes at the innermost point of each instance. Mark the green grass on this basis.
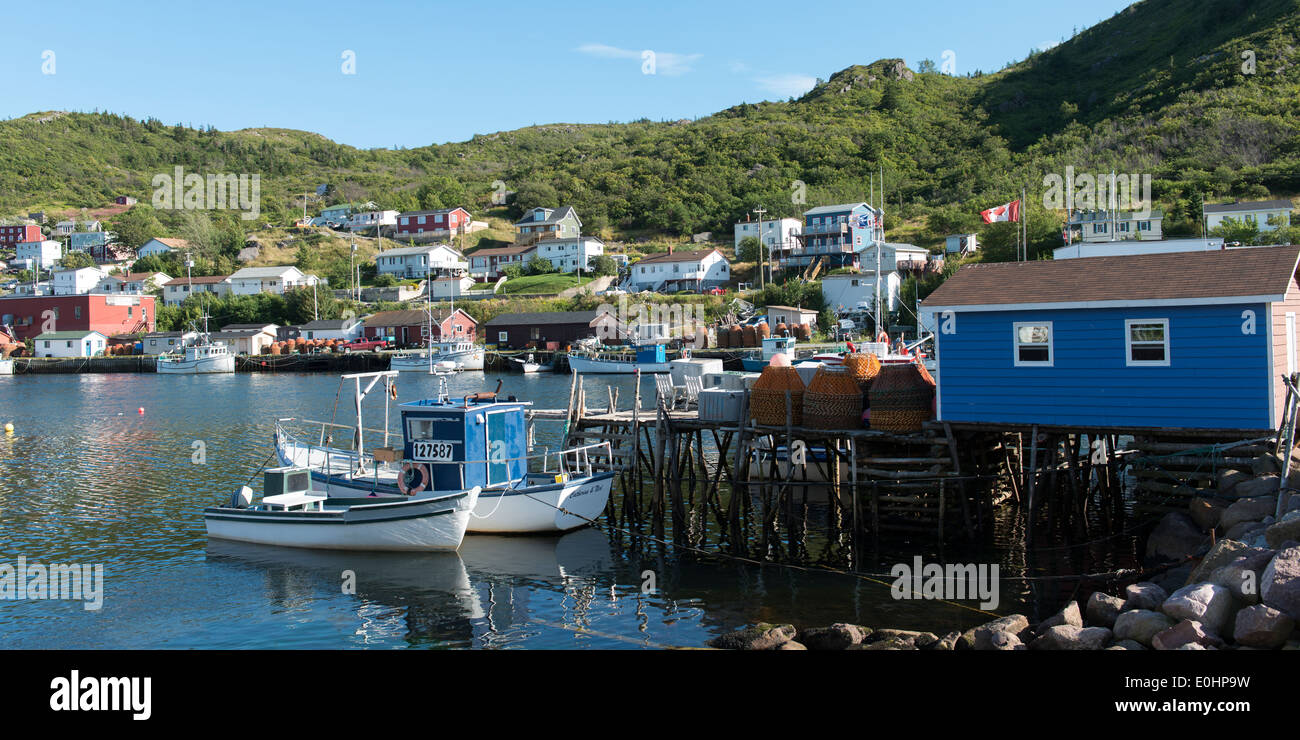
(538, 284)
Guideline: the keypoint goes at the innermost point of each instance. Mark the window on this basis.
(1033, 343)
(503, 337)
(534, 333)
(1147, 342)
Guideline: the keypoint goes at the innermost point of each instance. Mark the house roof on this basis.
(247, 273)
(247, 327)
(132, 277)
(687, 256)
(170, 242)
(538, 319)
(503, 251)
(410, 317)
(434, 212)
(554, 216)
(328, 324)
(199, 280)
(1260, 273)
(792, 308)
(408, 251)
(66, 335)
(840, 208)
(1258, 205)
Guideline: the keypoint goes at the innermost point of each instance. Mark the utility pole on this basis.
(352, 271)
(762, 283)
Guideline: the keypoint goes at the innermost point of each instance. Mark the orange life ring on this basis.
(882, 337)
(392, 391)
(424, 478)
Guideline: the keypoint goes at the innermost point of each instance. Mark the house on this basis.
(342, 212)
(125, 200)
(76, 281)
(1135, 246)
(107, 314)
(45, 253)
(961, 244)
(1107, 226)
(832, 235)
(772, 233)
(491, 263)
(894, 257)
(65, 227)
(440, 222)
(409, 328)
(89, 241)
(275, 280)
(158, 342)
(132, 282)
(570, 254)
(553, 330)
(246, 341)
(790, 315)
(417, 262)
(371, 219)
(672, 271)
(1268, 215)
(846, 292)
(71, 343)
(176, 290)
(161, 245)
(1097, 343)
(13, 235)
(345, 329)
(547, 223)
(449, 287)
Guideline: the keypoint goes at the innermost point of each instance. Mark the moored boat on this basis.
(199, 357)
(647, 359)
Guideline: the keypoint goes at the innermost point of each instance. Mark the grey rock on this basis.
(1243, 577)
(1206, 603)
(921, 640)
(947, 642)
(1266, 463)
(1245, 531)
(892, 644)
(1186, 632)
(1228, 479)
(1144, 595)
(1102, 609)
(1003, 641)
(791, 645)
(1175, 537)
(1223, 552)
(1174, 578)
(1069, 615)
(1280, 585)
(1013, 624)
(1140, 625)
(1248, 509)
(1206, 512)
(1069, 637)
(762, 636)
(1262, 626)
(1264, 485)
(1286, 529)
(838, 636)
(1127, 645)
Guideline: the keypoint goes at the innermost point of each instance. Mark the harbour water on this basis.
(86, 478)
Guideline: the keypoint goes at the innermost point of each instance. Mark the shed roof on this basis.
(537, 319)
(1259, 205)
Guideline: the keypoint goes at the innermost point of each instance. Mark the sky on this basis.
(389, 74)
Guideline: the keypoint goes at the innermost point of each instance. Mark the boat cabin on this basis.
(467, 443)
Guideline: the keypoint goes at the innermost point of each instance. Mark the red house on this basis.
(11, 235)
(423, 222)
(407, 328)
(106, 314)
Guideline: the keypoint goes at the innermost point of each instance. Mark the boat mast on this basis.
(428, 310)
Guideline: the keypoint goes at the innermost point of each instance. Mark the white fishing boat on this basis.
(444, 356)
(531, 365)
(6, 367)
(291, 513)
(201, 356)
(449, 445)
(646, 359)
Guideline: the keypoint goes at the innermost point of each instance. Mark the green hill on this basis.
(1159, 88)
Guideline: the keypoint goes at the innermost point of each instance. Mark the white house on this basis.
(245, 341)
(846, 292)
(161, 245)
(276, 280)
(894, 256)
(672, 271)
(175, 291)
(45, 253)
(1109, 226)
(76, 281)
(371, 219)
(448, 287)
(772, 233)
(347, 329)
(1136, 246)
(412, 262)
(132, 282)
(158, 342)
(790, 315)
(961, 244)
(1268, 215)
(70, 344)
(572, 253)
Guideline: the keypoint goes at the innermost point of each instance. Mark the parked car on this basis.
(364, 345)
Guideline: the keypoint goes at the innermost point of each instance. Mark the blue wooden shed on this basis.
(1182, 341)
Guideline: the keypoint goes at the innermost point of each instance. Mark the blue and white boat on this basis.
(650, 358)
(771, 346)
(476, 442)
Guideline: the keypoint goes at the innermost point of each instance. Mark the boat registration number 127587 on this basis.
(432, 450)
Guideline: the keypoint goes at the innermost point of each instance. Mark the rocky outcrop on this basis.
(762, 636)
(1175, 537)
(1262, 626)
(1140, 625)
(1280, 586)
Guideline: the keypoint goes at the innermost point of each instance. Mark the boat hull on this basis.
(203, 365)
(413, 525)
(6, 367)
(588, 365)
(420, 362)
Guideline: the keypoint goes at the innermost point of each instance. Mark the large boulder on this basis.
(1266, 463)
(1069, 637)
(1223, 552)
(1246, 531)
(1140, 625)
(1251, 509)
(1127, 645)
(1102, 609)
(1002, 641)
(1284, 530)
(1069, 615)
(791, 645)
(1144, 595)
(1175, 537)
(1174, 578)
(838, 636)
(1262, 626)
(1280, 586)
(985, 634)
(761, 636)
(1206, 512)
(1243, 577)
(1228, 479)
(1206, 603)
(1186, 635)
(890, 644)
(947, 642)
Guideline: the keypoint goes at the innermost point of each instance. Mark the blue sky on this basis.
(432, 72)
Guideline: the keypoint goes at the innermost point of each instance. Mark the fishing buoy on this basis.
(9, 428)
(140, 410)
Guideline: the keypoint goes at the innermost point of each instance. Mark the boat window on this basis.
(421, 428)
(1147, 342)
(1033, 343)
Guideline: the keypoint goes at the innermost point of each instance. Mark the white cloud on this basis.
(739, 68)
(787, 85)
(1044, 46)
(666, 62)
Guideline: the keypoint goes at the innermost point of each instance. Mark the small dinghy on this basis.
(531, 365)
(292, 514)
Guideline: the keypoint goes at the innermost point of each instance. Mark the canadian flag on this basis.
(1006, 212)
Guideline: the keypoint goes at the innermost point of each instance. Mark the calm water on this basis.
(85, 478)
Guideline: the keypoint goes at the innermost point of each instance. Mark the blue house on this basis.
(834, 234)
(1191, 340)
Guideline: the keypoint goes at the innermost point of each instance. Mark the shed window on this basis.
(1147, 342)
(503, 337)
(1033, 343)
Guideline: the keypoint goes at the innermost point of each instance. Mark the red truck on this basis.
(363, 345)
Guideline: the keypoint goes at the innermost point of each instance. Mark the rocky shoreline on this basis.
(1234, 585)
